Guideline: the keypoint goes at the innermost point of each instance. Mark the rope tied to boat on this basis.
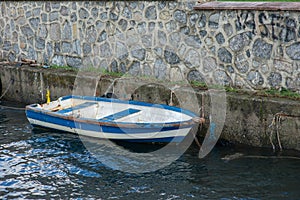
(171, 99)
(12, 108)
(200, 121)
(196, 120)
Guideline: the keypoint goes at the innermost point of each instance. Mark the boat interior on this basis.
(114, 111)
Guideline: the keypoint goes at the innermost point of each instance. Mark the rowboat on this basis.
(113, 119)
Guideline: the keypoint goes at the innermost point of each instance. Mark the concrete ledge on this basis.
(271, 6)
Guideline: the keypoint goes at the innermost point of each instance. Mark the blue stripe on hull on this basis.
(94, 127)
(176, 139)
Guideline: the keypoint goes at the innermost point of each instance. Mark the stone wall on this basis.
(166, 39)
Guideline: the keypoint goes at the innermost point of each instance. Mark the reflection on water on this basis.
(48, 164)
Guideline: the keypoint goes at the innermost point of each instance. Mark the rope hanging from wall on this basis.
(275, 127)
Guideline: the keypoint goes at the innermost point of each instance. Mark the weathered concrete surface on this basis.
(248, 118)
(29, 84)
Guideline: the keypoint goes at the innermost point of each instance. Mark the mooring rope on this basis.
(278, 121)
(200, 120)
(275, 124)
(171, 99)
(271, 135)
(11, 107)
(196, 139)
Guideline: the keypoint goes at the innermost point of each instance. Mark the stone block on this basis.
(138, 53)
(195, 75)
(42, 31)
(282, 65)
(150, 13)
(214, 20)
(87, 49)
(180, 16)
(192, 58)
(135, 68)
(76, 48)
(221, 78)
(193, 41)
(275, 79)
(220, 38)
(241, 63)
(293, 51)
(67, 31)
(262, 49)
(73, 61)
(55, 32)
(91, 34)
(165, 15)
(239, 42)
(105, 50)
(34, 22)
(224, 55)
(255, 78)
(64, 11)
(66, 47)
(83, 13)
(27, 31)
(123, 24)
(160, 68)
(121, 51)
(40, 43)
(127, 13)
(53, 16)
(171, 57)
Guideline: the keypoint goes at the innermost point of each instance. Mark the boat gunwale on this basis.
(101, 122)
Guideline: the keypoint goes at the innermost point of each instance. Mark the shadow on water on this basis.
(45, 164)
(139, 147)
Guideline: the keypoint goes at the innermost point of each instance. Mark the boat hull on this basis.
(139, 132)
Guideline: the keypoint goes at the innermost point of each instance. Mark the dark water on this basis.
(42, 164)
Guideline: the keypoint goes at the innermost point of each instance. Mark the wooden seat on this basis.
(77, 107)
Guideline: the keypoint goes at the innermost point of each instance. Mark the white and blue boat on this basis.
(113, 119)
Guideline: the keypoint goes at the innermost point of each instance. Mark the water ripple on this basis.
(44, 164)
